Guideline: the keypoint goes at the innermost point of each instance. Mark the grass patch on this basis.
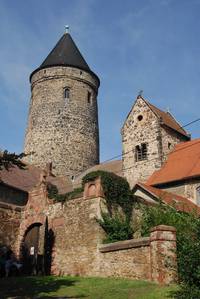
(77, 287)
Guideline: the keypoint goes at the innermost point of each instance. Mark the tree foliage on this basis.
(8, 160)
(188, 245)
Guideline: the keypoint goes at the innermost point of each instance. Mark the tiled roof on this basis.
(168, 120)
(113, 166)
(182, 163)
(26, 179)
(180, 203)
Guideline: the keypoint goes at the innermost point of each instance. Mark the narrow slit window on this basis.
(66, 93)
(198, 195)
(141, 152)
(89, 97)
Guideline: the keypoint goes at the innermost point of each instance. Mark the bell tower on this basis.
(63, 114)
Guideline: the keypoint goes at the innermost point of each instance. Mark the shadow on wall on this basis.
(36, 249)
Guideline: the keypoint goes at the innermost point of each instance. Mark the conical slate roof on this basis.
(65, 53)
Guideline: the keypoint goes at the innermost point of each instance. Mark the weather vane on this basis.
(66, 28)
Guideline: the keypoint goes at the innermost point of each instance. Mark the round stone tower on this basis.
(63, 114)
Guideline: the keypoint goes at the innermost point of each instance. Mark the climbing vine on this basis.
(118, 195)
(53, 193)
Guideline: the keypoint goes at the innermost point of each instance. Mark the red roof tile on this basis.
(180, 203)
(26, 179)
(168, 120)
(182, 163)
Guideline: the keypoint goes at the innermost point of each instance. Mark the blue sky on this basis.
(153, 45)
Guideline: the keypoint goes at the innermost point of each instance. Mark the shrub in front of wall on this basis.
(188, 245)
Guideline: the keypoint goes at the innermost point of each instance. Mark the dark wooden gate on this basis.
(32, 249)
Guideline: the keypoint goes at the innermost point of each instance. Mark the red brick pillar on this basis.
(93, 189)
(163, 254)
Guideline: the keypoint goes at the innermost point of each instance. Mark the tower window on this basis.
(141, 152)
(66, 93)
(89, 97)
(140, 117)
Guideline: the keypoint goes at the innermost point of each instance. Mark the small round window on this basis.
(140, 117)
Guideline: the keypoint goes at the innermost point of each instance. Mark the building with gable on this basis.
(62, 140)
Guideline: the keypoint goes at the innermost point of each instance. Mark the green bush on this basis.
(116, 228)
(188, 244)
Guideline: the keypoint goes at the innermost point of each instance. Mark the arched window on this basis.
(66, 93)
(198, 195)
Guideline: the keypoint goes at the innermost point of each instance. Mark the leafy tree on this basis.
(7, 160)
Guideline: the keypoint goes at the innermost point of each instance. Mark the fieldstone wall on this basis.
(169, 139)
(135, 132)
(130, 259)
(187, 189)
(63, 131)
(152, 258)
(142, 126)
(10, 216)
(78, 238)
(12, 195)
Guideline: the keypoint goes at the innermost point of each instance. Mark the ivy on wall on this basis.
(53, 194)
(118, 196)
(119, 201)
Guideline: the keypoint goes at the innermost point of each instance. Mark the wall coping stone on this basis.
(11, 207)
(163, 228)
(127, 244)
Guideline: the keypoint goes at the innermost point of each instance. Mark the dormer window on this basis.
(66, 93)
(141, 152)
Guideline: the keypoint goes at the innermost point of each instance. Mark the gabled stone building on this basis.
(62, 141)
(148, 135)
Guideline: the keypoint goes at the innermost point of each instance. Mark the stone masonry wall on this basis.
(187, 189)
(135, 132)
(63, 131)
(169, 139)
(78, 248)
(151, 258)
(143, 126)
(77, 238)
(10, 216)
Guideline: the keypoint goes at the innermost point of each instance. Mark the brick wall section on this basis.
(10, 216)
(163, 254)
(64, 132)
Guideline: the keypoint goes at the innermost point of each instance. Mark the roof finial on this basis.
(66, 28)
(140, 94)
